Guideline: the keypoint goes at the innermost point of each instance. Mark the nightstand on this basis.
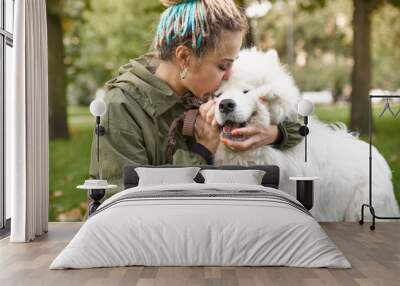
(97, 190)
(305, 190)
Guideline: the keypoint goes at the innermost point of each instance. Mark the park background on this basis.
(338, 52)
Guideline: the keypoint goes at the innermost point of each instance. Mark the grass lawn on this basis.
(69, 165)
(69, 159)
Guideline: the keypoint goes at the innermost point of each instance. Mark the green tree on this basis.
(361, 74)
(321, 44)
(385, 48)
(111, 33)
(361, 52)
(63, 18)
(249, 39)
(58, 127)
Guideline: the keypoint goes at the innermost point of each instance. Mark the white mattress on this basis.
(189, 230)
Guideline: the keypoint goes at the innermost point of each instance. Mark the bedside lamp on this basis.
(97, 187)
(305, 185)
(98, 108)
(305, 108)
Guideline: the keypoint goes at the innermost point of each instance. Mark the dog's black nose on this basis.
(227, 105)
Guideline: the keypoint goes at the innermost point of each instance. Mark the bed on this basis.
(201, 224)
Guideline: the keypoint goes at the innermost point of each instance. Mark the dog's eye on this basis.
(245, 91)
(217, 94)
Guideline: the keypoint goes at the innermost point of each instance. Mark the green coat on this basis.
(140, 109)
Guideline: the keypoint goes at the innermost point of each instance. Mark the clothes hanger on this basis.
(387, 107)
(397, 113)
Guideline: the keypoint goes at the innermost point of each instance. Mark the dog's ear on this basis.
(264, 90)
(265, 93)
(273, 54)
(268, 98)
(264, 100)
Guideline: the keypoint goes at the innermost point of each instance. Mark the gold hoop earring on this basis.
(183, 73)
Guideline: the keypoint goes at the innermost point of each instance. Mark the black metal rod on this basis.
(384, 96)
(305, 150)
(305, 138)
(370, 149)
(380, 217)
(98, 137)
(98, 146)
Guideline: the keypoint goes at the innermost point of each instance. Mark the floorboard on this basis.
(374, 255)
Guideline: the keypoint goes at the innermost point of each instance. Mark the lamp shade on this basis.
(305, 107)
(98, 107)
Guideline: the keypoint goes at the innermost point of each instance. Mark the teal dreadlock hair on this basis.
(196, 24)
(182, 21)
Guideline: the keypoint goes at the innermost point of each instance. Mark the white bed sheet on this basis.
(200, 231)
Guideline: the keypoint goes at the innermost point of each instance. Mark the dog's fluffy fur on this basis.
(266, 94)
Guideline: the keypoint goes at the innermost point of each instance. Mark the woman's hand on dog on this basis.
(254, 137)
(206, 128)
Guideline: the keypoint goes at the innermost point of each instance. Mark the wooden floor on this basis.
(374, 255)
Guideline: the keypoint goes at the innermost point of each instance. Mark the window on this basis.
(6, 60)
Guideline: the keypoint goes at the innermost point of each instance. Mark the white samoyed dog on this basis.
(261, 92)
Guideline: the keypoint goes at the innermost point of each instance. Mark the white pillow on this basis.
(248, 177)
(163, 176)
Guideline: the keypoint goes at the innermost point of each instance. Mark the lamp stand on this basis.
(100, 131)
(96, 195)
(304, 132)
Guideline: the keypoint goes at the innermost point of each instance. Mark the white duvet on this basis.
(207, 230)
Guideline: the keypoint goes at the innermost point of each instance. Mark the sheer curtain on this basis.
(27, 124)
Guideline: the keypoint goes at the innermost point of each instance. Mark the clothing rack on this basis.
(370, 206)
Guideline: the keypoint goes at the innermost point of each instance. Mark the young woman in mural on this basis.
(196, 44)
